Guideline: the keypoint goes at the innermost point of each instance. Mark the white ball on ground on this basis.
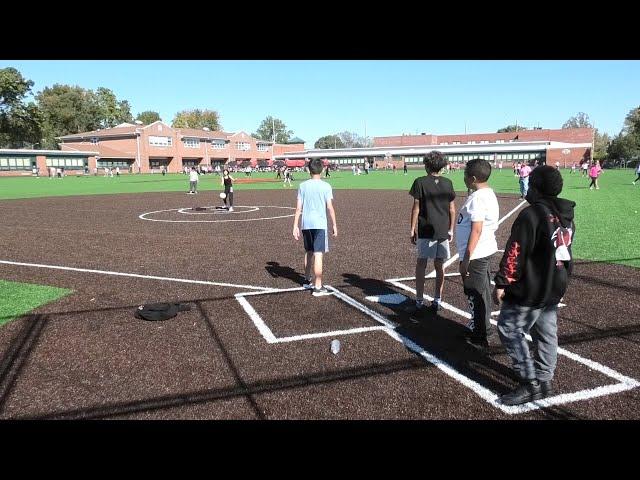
(223, 195)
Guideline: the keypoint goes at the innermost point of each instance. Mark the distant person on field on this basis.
(404, 168)
(432, 219)
(594, 173)
(573, 168)
(532, 279)
(287, 177)
(117, 171)
(585, 168)
(193, 181)
(227, 181)
(315, 198)
(326, 172)
(637, 173)
(523, 173)
(476, 241)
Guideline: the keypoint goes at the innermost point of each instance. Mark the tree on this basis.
(197, 119)
(353, 140)
(511, 128)
(581, 120)
(148, 117)
(67, 110)
(271, 125)
(111, 111)
(601, 144)
(329, 141)
(632, 122)
(19, 121)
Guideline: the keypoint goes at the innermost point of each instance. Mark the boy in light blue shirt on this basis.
(314, 199)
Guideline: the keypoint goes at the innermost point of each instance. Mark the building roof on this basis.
(15, 151)
(199, 133)
(416, 150)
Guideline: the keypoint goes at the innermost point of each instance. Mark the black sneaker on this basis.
(415, 308)
(546, 388)
(477, 341)
(525, 392)
(321, 292)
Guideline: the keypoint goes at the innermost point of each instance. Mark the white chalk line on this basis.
(221, 211)
(136, 275)
(626, 383)
(143, 215)
(269, 336)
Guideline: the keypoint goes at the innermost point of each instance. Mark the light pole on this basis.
(138, 122)
(206, 147)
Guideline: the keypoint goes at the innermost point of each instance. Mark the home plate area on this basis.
(294, 315)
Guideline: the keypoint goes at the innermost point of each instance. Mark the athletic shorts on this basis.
(315, 240)
(429, 248)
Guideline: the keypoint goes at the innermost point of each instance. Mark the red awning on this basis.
(295, 163)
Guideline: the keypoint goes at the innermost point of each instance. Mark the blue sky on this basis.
(320, 97)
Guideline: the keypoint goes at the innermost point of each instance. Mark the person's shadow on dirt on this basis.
(442, 338)
(276, 270)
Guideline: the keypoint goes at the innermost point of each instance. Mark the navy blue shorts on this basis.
(315, 240)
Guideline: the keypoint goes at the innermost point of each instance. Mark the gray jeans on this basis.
(514, 322)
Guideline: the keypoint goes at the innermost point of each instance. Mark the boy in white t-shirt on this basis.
(476, 241)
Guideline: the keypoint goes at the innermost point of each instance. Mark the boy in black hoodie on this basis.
(532, 279)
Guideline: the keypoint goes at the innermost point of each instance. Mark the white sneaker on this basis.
(308, 285)
(320, 292)
(231, 209)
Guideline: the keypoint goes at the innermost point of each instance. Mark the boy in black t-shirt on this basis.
(432, 221)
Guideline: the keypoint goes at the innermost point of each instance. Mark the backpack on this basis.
(561, 236)
(160, 311)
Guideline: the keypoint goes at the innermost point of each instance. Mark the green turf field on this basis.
(20, 298)
(608, 224)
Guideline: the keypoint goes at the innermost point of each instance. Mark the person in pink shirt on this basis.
(594, 173)
(523, 173)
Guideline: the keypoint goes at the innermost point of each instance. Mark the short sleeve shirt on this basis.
(314, 195)
(435, 193)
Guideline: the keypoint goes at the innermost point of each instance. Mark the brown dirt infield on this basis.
(87, 356)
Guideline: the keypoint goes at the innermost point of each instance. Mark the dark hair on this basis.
(479, 168)
(546, 180)
(315, 166)
(434, 161)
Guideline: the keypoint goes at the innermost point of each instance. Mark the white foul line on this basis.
(135, 275)
(268, 335)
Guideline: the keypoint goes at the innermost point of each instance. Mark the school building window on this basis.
(242, 146)
(160, 141)
(66, 163)
(499, 141)
(94, 140)
(263, 147)
(218, 145)
(191, 142)
(113, 163)
(14, 163)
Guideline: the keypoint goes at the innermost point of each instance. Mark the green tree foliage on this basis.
(329, 141)
(111, 111)
(197, 119)
(70, 109)
(271, 125)
(601, 143)
(626, 145)
(511, 128)
(353, 140)
(67, 109)
(581, 120)
(20, 122)
(148, 117)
